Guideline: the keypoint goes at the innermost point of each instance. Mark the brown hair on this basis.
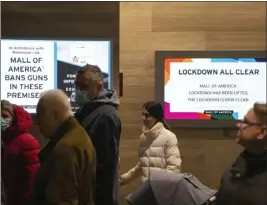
(6, 105)
(260, 110)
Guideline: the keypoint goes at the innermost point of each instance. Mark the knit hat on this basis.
(6, 105)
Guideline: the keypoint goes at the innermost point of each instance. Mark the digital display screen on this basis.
(212, 88)
(30, 67)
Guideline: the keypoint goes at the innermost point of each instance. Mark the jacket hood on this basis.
(108, 97)
(22, 120)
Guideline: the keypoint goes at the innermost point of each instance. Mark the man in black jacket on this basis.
(98, 115)
(245, 183)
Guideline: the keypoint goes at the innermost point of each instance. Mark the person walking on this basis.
(98, 115)
(68, 161)
(20, 150)
(158, 148)
(245, 182)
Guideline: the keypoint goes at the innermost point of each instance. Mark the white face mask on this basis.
(5, 123)
(81, 97)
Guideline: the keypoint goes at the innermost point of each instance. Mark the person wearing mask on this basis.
(98, 115)
(158, 149)
(68, 161)
(245, 182)
(20, 150)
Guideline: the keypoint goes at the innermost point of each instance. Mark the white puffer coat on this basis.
(158, 151)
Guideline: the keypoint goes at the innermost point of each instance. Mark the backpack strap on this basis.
(88, 118)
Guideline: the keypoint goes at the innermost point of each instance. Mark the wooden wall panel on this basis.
(63, 20)
(208, 16)
(146, 27)
(235, 40)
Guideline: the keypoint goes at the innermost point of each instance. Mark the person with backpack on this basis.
(98, 114)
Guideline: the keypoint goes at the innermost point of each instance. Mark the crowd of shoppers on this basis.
(80, 163)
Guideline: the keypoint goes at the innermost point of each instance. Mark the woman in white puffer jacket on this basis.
(158, 146)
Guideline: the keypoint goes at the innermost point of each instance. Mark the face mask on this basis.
(5, 123)
(81, 97)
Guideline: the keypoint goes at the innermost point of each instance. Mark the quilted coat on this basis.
(158, 151)
(20, 161)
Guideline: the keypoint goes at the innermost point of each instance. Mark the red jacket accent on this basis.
(20, 161)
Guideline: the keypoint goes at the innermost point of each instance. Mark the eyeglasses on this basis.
(246, 121)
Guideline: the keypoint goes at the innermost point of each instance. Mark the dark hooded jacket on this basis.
(3, 193)
(20, 161)
(100, 119)
(245, 183)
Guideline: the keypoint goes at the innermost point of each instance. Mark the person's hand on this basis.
(122, 181)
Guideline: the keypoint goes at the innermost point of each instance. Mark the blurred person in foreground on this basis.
(68, 162)
(19, 160)
(3, 193)
(158, 146)
(98, 115)
(245, 183)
